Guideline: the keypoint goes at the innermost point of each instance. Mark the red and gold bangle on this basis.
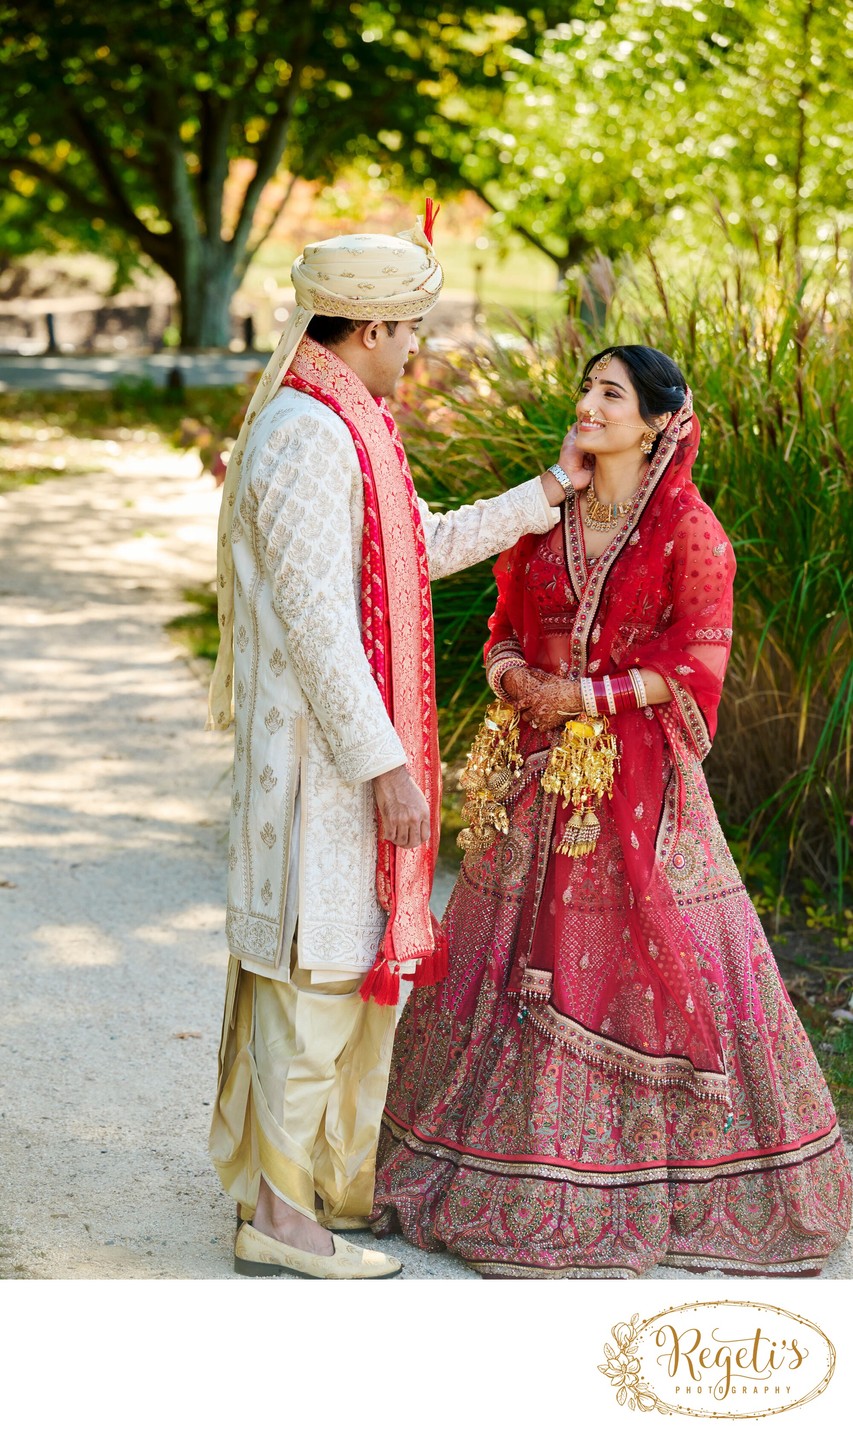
(639, 688)
(625, 693)
(613, 694)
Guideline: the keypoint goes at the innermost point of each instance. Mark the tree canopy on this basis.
(593, 124)
(129, 115)
(630, 117)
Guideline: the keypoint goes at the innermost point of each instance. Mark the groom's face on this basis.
(388, 354)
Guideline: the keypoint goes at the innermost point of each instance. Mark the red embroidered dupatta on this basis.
(397, 632)
(604, 955)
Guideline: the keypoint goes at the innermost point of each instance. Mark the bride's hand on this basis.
(549, 700)
(575, 462)
(519, 684)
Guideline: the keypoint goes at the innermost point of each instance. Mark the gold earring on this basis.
(647, 443)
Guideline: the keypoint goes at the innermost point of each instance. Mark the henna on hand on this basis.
(542, 699)
(550, 700)
(519, 684)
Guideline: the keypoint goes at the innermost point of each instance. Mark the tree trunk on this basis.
(206, 284)
(801, 125)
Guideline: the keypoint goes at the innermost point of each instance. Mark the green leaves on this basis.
(156, 102)
(633, 119)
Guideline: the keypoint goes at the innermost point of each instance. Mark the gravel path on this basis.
(111, 887)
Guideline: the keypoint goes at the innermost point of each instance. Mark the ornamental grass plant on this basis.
(767, 348)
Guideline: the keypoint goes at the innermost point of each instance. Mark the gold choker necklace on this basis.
(601, 516)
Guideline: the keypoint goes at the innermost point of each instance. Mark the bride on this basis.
(612, 1074)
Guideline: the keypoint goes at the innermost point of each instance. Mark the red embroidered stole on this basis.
(397, 632)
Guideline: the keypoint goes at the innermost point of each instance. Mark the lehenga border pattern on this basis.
(806, 1267)
(537, 983)
(803, 1267)
(629, 1175)
(529, 1269)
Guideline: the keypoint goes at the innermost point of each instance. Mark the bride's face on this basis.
(609, 419)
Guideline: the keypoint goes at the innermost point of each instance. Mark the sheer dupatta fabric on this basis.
(604, 960)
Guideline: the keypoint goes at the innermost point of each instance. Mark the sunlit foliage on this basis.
(638, 117)
(127, 117)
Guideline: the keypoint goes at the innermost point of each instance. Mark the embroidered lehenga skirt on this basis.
(515, 1142)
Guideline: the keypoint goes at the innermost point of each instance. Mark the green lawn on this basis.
(135, 409)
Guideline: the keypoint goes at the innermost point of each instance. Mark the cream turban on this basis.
(363, 277)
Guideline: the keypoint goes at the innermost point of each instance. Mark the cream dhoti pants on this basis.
(303, 1073)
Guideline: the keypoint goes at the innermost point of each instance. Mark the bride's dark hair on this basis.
(660, 385)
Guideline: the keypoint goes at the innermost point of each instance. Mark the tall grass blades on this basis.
(768, 353)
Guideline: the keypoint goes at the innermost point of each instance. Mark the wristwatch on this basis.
(562, 479)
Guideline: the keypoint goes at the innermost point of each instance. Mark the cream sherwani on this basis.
(303, 1063)
(311, 727)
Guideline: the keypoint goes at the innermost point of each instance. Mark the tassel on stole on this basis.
(382, 985)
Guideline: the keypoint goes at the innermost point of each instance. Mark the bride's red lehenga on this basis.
(612, 1074)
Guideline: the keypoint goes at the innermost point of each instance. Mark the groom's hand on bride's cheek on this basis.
(574, 462)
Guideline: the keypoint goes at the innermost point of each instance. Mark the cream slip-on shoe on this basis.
(256, 1255)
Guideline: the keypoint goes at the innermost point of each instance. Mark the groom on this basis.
(326, 665)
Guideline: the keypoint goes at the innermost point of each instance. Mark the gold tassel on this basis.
(493, 764)
(580, 769)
